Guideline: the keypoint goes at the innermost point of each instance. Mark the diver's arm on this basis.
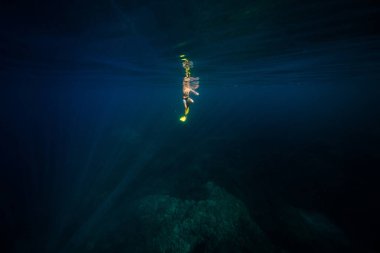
(193, 91)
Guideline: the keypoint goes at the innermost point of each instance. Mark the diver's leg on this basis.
(187, 105)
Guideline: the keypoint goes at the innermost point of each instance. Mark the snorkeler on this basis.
(189, 85)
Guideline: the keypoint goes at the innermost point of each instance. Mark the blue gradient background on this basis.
(90, 100)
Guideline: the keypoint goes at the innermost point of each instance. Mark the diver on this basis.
(189, 85)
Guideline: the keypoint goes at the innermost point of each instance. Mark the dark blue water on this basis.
(280, 152)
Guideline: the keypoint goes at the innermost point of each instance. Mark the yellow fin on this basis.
(187, 110)
(183, 118)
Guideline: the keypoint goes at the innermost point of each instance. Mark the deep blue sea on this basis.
(280, 151)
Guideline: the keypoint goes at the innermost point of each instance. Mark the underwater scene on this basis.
(205, 126)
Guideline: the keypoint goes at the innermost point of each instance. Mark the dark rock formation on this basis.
(216, 223)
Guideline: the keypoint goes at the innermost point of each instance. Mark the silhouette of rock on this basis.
(304, 231)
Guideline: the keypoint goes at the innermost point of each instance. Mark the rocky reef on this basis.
(217, 222)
